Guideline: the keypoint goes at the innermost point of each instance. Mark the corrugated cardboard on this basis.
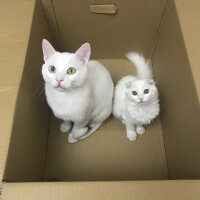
(133, 27)
(14, 34)
(30, 127)
(180, 116)
(132, 190)
(30, 140)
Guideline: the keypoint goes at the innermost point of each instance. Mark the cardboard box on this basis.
(36, 162)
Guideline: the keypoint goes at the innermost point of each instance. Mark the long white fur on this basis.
(144, 70)
(128, 107)
(86, 97)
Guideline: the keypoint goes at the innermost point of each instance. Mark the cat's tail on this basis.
(91, 130)
(144, 70)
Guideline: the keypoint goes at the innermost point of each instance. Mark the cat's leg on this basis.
(140, 129)
(130, 131)
(79, 129)
(65, 126)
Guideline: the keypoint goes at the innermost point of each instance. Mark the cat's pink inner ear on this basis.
(83, 53)
(128, 84)
(151, 81)
(47, 49)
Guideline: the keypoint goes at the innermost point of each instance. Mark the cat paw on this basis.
(71, 139)
(65, 127)
(80, 132)
(148, 121)
(140, 130)
(132, 136)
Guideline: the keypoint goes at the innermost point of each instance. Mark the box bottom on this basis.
(107, 155)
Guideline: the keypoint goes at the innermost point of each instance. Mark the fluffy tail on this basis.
(92, 130)
(143, 67)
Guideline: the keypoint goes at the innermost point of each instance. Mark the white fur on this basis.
(84, 98)
(128, 107)
(143, 67)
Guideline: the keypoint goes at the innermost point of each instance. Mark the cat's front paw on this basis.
(123, 122)
(71, 139)
(147, 121)
(80, 132)
(140, 130)
(65, 127)
(132, 136)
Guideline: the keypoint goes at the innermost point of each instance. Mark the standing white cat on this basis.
(78, 91)
(136, 100)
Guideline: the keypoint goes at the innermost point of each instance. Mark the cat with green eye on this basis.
(71, 71)
(74, 87)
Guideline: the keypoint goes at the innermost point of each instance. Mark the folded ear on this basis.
(83, 53)
(150, 81)
(47, 49)
(128, 84)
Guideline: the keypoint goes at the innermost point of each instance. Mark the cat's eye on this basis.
(146, 91)
(134, 93)
(52, 69)
(71, 71)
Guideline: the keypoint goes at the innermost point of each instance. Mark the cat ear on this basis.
(47, 49)
(128, 84)
(151, 82)
(83, 53)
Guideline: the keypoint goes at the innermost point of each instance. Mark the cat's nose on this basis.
(59, 80)
(141, 99)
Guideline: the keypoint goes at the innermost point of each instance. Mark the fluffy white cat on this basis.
(79, 91)
(136, 100)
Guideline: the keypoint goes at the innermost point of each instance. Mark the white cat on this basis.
(136, 100)
(78, 91)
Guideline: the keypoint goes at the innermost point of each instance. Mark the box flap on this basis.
(134, 190)
(188, 12)
(15, 20)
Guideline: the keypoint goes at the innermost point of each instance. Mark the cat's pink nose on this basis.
(59, 80)
(141, 99)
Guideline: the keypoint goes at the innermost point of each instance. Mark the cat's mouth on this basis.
(59, 87)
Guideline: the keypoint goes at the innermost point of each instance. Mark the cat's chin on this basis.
(141, 103)
(62, 89)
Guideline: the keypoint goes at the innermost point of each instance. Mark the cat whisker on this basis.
(43, 97)
(39, 90)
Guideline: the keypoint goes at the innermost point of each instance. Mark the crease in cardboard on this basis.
(153, 50)
(51, 19)
(160, 28)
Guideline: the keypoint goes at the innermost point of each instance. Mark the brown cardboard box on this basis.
(36, 162)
